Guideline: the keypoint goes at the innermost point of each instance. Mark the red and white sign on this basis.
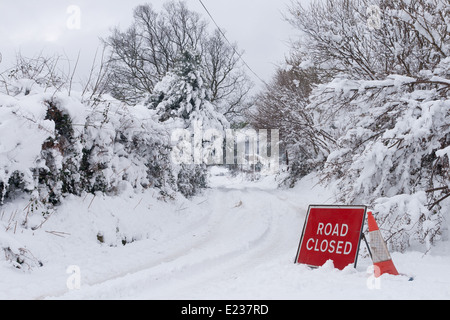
(331, 233)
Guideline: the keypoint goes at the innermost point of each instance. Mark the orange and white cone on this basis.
(381, 258)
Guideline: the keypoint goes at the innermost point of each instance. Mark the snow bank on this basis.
(55, 145)
(232, 242)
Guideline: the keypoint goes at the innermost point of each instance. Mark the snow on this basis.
(16, 123)
(237, 240)
(384, 135)
(443, 152)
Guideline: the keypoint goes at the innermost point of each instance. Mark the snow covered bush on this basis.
(347, 37)
(145, 52)
(182, 101)
(41, 71)
(62, 142)
(57, 142)
(390, 150)
(379, 113)
(59, 145)
(282, 106)
(119, 145)
(183, 94)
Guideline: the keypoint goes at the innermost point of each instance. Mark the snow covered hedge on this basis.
(390, 150)
(57, 142)
(53, 145)
(377, 121)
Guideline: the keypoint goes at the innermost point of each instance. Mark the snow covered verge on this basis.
(377, 115)
(54, 144)
(391, 154)
(386, 142)
(237, 240)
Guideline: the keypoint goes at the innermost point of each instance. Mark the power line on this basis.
(231, 45)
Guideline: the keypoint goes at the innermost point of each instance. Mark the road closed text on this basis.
(331, 246)
(331, 233)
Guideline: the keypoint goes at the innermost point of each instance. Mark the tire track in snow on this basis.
(276, 243)
(224, 247)
(159, 253)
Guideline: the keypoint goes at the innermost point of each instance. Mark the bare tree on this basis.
(411, 36)
(283, 106)
(227, 80)
(382, 98)
(143, 54)
(40, 70)
(99, 76)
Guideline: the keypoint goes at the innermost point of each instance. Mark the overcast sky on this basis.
(34, 26)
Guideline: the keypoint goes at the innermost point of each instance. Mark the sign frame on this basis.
(361, 231)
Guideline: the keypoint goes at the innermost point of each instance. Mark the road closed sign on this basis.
(331, 233)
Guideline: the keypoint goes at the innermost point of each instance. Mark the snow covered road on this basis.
(236, 229)
(236, 241)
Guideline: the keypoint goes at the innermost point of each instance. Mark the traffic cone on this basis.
(381, 258)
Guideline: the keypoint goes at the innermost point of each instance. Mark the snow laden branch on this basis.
(392, 138)
(335, 37)
(380, 92)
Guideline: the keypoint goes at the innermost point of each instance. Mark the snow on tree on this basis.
(377, 121)
(73, 144)
(143, 54)
(183, 94)
(183, 101)
(389, 152)
(73, 147)
(337, 37)
(282, 106)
